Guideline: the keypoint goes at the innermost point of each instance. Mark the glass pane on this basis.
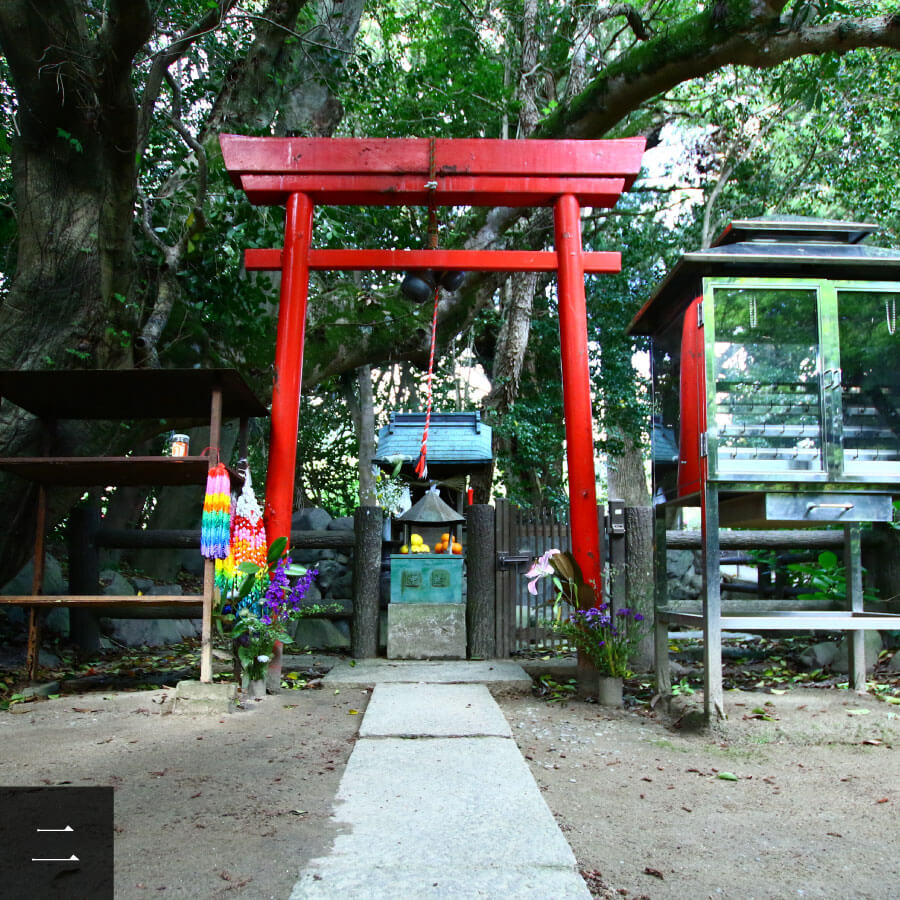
(666, 361)
(768, 412)
(870, 381)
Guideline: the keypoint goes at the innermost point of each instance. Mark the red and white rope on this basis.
(422, 464)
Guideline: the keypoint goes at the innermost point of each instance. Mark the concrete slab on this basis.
(500, 675)
(501, 883)
(445, 817)
(433, 710)
(200, 698)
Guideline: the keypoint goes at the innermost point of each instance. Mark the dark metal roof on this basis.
(456, 440)
(784, 246)
(794, 228)
(129, 393)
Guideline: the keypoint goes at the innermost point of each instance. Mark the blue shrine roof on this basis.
(458, 440)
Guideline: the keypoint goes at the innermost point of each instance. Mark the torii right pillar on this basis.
(576, 380)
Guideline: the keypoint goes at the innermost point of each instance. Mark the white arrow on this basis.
(67, 828)
(72, 858)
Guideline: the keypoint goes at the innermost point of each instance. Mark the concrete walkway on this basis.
(436, 800)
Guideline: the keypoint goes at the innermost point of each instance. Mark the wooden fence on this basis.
(521, 535)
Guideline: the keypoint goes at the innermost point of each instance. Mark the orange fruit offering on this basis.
(457, 548)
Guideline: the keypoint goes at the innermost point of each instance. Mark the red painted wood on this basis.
(451, 190)
(577, 393)
(406, 260)
(693, 402)
(411, 155)
(288, 368)
(468, 172)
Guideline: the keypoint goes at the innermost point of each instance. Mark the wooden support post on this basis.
(856, 639)
(660, 599)
(209, 566)
(35, 614)
(480, 589)
(368, 526)
(713, 701)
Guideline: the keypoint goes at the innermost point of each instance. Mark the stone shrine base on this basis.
(426, 631)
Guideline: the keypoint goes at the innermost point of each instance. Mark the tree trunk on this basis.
(639, 577)
(362, 409)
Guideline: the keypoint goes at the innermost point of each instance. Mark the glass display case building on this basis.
(776, 403)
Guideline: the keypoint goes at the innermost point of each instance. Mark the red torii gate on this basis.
(303, 172)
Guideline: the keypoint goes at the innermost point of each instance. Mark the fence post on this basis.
(480, 587)
(84, 571)
(367, 527)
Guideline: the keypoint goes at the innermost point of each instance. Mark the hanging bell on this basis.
(452, 281)
(419, 286)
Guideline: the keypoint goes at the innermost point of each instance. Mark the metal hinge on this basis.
(704, 444)
(700, 314)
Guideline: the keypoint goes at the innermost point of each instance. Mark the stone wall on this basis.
(334, 583)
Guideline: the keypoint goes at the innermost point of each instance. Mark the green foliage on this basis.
(826, 580)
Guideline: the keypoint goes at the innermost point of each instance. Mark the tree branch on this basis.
(696, 48)
(165, 57)
(635, 20)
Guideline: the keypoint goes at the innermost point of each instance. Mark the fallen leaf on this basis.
(883, 800)
(873, 742)
(352, 712)
(649, 870)
(858, 712)
(834, 834)
(727, 776)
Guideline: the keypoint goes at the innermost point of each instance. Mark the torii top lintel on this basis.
(396, 172)
(567, 175)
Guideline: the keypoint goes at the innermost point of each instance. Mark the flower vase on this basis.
(273, 673)
(254, 688)
(609, 690)
(257, 689)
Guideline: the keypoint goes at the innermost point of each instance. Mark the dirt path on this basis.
(813, 812)
(205, 807)
(233, 806)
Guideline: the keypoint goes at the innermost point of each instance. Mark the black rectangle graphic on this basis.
(57, 843)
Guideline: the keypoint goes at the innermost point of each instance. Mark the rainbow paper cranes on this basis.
(216, 523)
(248, 545)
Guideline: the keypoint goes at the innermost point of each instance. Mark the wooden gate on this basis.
(521, 535)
